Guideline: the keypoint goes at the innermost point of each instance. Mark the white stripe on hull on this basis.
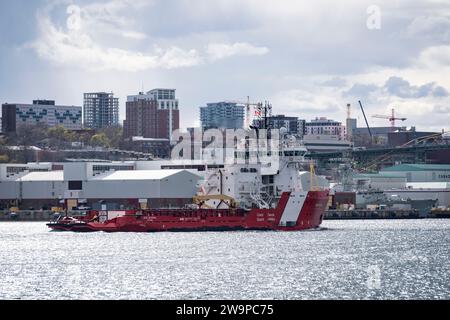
(293, 208)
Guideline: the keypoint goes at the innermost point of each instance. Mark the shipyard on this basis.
(205, 157)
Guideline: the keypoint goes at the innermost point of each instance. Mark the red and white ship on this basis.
(275, 194)
(295, 211)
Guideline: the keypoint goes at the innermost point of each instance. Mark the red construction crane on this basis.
(391, 118)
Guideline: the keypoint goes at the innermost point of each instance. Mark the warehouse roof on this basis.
(43, 176)
(139, 174)
(418, 167)
(378, 175)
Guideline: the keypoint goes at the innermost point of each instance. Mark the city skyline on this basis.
(309, 64)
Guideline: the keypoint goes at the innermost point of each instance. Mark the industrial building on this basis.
(40, 112)
(101, 110)
(401, 137)
(420, 172)
(408, 182)
(223, 115)
(117, 184)
(362, 137)
(152, 115)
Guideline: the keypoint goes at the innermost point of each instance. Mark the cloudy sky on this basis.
(307, 58)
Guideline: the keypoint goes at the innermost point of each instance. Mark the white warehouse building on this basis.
(89, 183)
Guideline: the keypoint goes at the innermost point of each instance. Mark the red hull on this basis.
(307, 215)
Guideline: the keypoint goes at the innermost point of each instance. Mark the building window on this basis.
(75, 185)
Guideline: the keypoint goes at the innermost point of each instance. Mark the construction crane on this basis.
(391, 118)
(365, 118)
(248, 106)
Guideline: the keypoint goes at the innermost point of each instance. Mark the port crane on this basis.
(392, 118)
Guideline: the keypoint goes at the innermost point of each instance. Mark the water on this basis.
(374, 259)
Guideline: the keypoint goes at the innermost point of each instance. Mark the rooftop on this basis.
(418, 167)
(43, 176)
(378, 175)
(138, 175)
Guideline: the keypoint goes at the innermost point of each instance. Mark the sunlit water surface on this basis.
(372, 259)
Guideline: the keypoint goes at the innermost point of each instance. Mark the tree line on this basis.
(59, 138)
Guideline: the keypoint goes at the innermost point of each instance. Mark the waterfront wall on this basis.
(46, 215)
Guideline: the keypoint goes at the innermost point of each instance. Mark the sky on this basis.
(309, 59)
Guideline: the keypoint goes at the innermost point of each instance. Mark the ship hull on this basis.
(295, 212)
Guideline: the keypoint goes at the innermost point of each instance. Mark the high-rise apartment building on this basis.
(101, 110)
(223, 115)
(154, 114)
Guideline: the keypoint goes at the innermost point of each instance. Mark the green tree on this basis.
(57, 137)
(30, 134)
(4, 158)
(114, 135)
(100, 140)
(70, 136)
(57, 132)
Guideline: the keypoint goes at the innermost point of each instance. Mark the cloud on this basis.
(78, 49)
(308, 103)
(360, 90)
(435, 27)
(218, 51)
(134, 35)
(435, 56)
(334, 82)
(176, 57)
(80, 43)
(402, 88)
(442, 109)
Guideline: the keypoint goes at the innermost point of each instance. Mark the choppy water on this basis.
(393, 259)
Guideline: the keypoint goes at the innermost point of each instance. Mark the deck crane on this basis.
(391, 118)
